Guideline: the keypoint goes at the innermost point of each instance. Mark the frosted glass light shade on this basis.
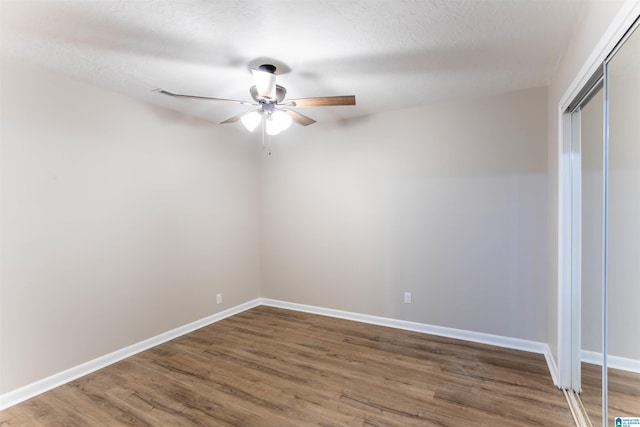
(251, 120)
(283, 119)
(277, 122)
(272, 126)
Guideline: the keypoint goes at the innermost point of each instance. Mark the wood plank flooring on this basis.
(624, 393)
(274, 367)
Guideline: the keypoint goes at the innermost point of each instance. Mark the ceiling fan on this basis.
(272, 110)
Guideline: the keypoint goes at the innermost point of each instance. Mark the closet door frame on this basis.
(568, 269)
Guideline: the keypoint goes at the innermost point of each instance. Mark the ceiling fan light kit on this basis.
(269, 100)
(251, 120)
(277, 122)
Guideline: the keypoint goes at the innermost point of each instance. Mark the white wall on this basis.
(119, 221)
(446, 201)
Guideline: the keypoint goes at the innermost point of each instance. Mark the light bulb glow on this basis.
(251, 120)
(272, 126)
(282, 119)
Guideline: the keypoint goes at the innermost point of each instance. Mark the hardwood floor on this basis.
(624, 393)
(275, 367)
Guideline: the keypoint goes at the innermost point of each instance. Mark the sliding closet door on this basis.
(623, 230)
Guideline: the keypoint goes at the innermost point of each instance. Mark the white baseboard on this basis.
(616, 362)
(478, 337)
(551, 364)
(31, 390)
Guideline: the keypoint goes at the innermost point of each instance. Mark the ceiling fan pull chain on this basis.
(263, 125)
(265, 137)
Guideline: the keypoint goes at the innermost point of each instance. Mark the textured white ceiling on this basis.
(391, 54)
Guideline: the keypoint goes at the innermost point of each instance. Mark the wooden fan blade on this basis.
(205, 98)
(323, 101)
(265, 83)
(300, 119)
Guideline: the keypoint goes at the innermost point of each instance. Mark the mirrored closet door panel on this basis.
(622, 76)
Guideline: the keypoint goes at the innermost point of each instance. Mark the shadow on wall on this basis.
(487, 136)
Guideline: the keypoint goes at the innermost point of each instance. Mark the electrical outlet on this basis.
(407, 297)
(218, 298)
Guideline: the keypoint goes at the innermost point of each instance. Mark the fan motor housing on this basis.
(281, 92)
